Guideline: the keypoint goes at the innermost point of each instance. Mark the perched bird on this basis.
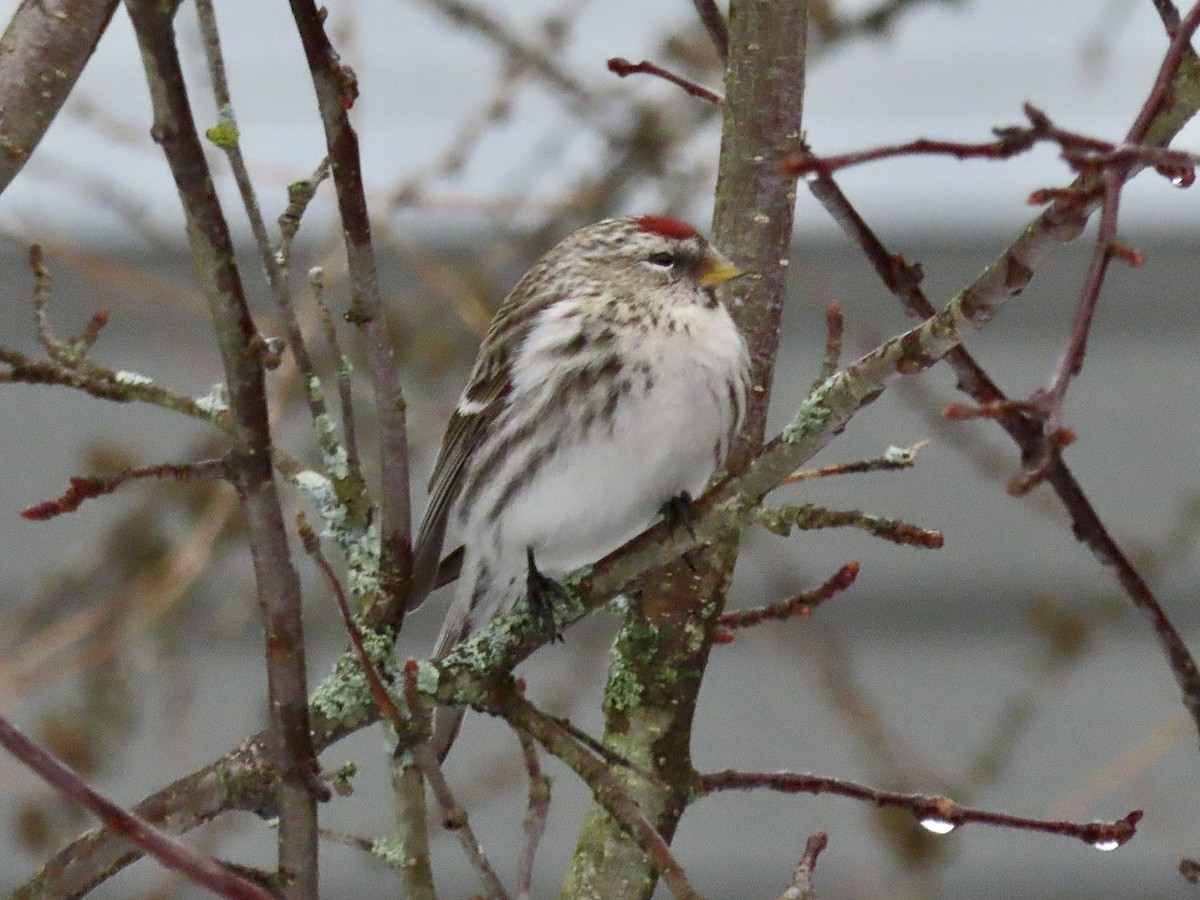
(607, 390)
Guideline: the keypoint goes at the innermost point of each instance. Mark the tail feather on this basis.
(448, 719)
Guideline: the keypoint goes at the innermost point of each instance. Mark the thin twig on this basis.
(536, 811)
(277, 265)
(85, 487)
(623, 68)
(800, 605)
(454, 815)
(835, 326)
(802, 886)
(609, 793)
(204, 871)
(1062, 221)
(808, 517)
(1081, 152)
(316, 282)
(935, 813)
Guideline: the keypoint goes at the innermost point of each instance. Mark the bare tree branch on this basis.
(240, 344)
(42, 53)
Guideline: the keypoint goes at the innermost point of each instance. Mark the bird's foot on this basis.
(680, 512)
(542, 591)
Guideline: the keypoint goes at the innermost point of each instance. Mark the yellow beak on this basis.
(717, 270)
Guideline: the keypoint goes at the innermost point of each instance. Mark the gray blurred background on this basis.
(1005, 668)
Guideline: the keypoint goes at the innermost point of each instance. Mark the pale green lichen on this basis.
(216, 400)
(133, 379)
(391, 850)
(428, 677)
(900, 456)
(225, 133)
(344, 696)
(624, 690)
(694, 629)
(812, 415)
(359, 546)
(632, 652)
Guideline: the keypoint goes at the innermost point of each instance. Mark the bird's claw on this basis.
(542, 591)
(680, 512)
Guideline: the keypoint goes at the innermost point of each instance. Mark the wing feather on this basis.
(481, 404)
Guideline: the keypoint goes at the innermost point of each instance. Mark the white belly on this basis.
(600, 492)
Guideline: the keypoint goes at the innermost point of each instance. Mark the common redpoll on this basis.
(610, 383)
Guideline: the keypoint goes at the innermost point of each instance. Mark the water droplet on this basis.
(937, 826)
(1107, 845)
(1184, 179)
(812, 176)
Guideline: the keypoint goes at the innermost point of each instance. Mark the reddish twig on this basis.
(85, 487)
(379, 693)
(800, 605)
(937, 814)
(1062, 221)
(624, 68)
(72, 351)
(202, 870)
(599, 777)
(1160, 97)
(1081, 152)
(802, 886)
(835, 326)
(454, 816)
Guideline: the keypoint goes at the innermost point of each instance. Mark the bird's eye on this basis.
(662, 258)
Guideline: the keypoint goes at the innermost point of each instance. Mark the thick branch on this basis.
(42, 53)
(277, 584)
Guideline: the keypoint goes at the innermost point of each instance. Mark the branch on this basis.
(536, 812)
(662, 650)
(1061, 222)
(1082, 153)
(42, 54)
(278, 587)
(800, 605)
(615, 799)
(714, 24)
(336, 89)
(802, 887)
(85, 487)
(623, 68)
(939, 815)
(454, 814)
(204, 871)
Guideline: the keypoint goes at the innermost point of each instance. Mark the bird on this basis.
(607, 391)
